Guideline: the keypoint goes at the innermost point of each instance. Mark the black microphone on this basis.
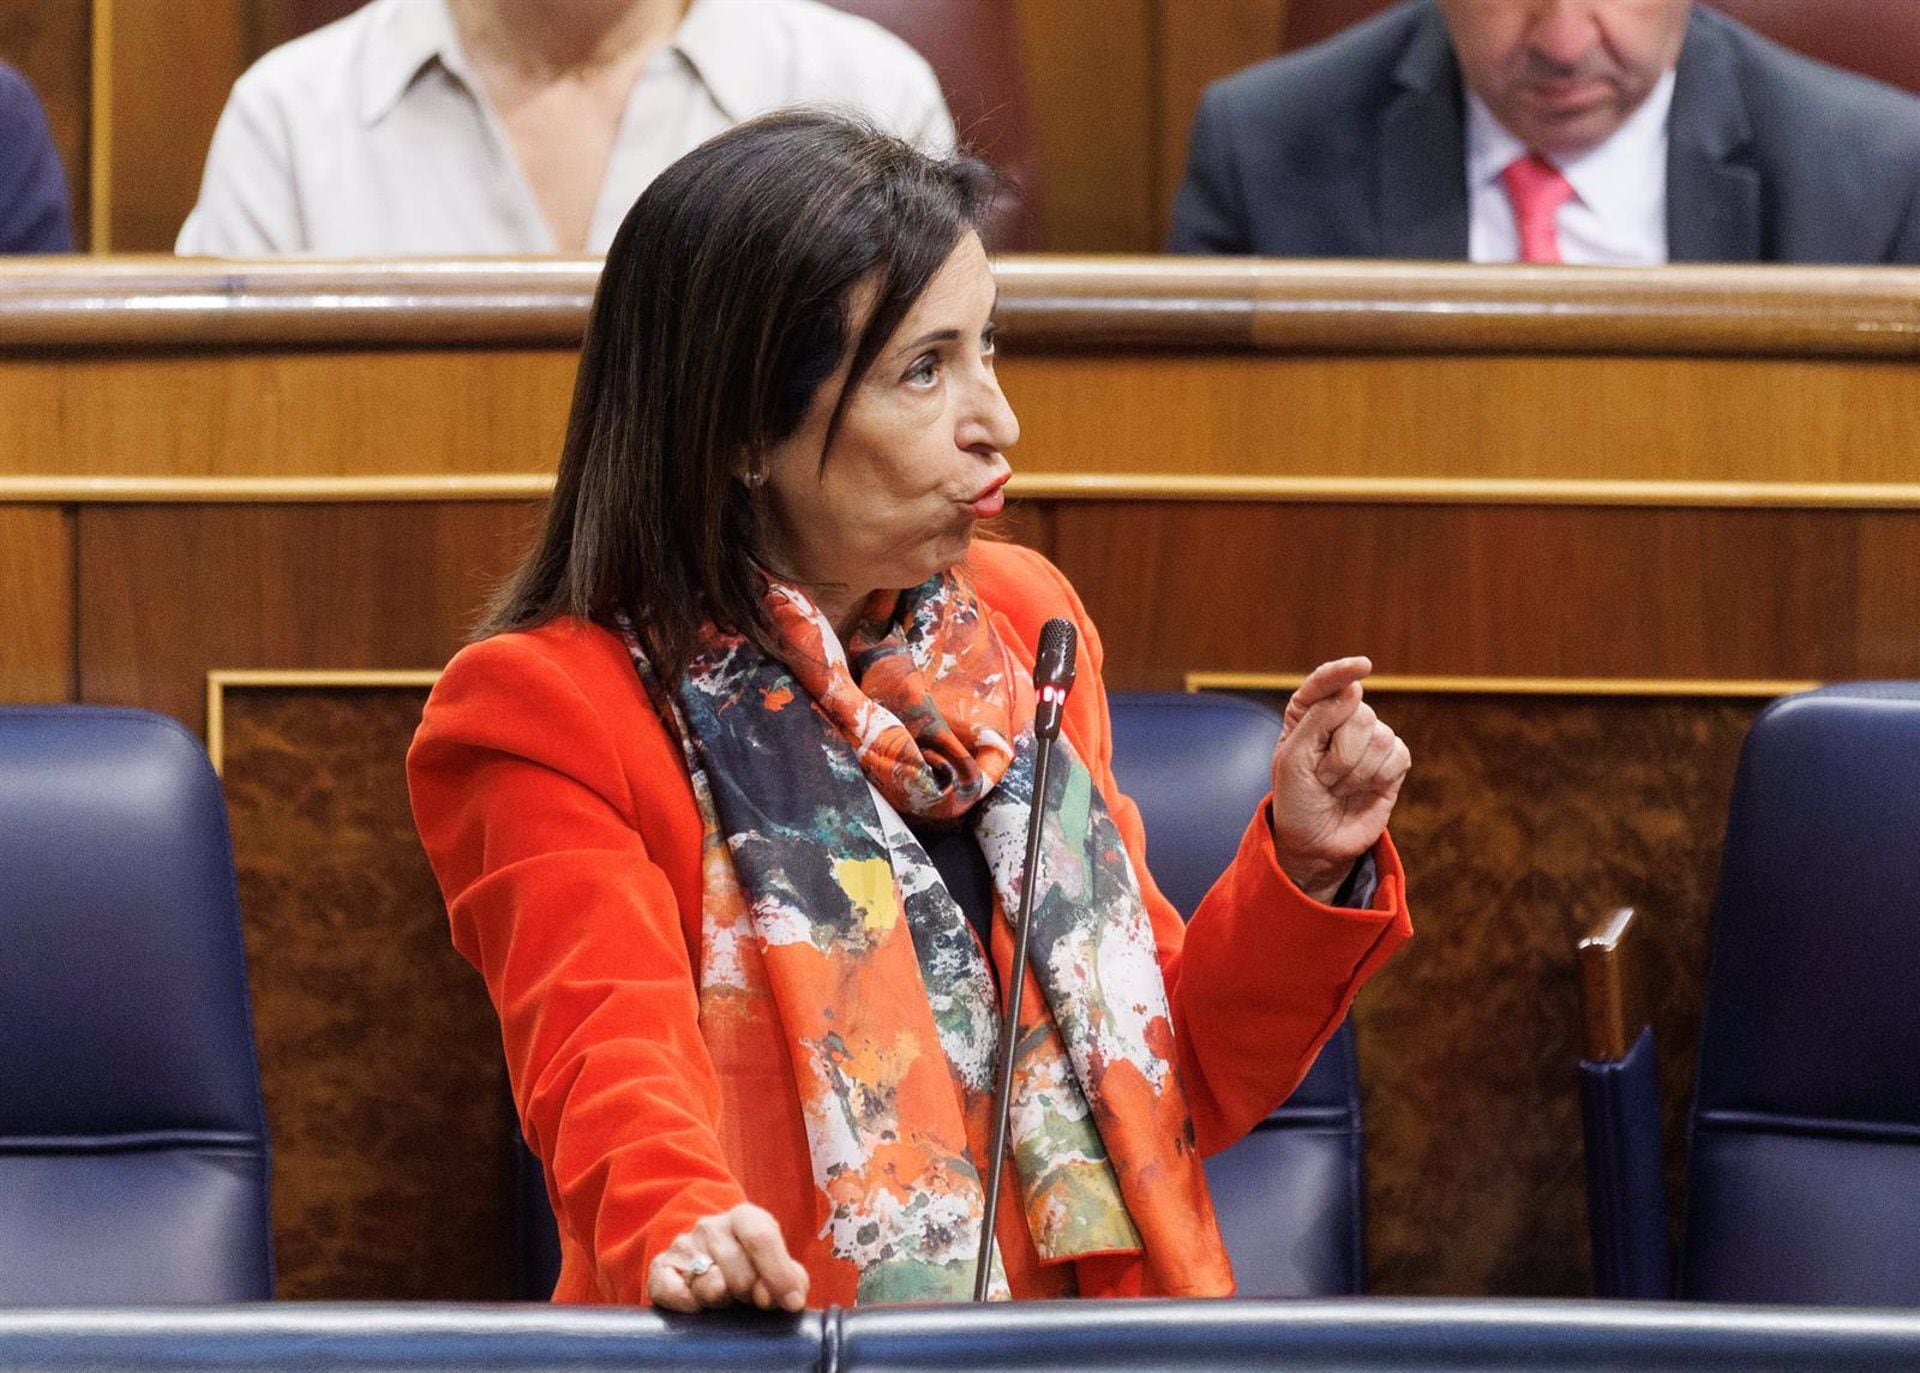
(1052, 680)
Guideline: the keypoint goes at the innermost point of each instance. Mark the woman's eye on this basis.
(921, 373)
(989, 346)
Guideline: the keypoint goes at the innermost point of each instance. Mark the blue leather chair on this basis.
(1289, 1196)
(1803, 1169)
(133, 1142)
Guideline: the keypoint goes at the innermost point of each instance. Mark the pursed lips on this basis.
(990, 500)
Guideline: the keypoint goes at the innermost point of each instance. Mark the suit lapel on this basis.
(1421, 193)
(1713, 194)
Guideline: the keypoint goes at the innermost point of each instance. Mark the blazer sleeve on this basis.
(33, 187)
(1209, 215)
(526, 814)
(1262, 975)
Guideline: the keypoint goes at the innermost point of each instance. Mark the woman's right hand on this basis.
(1336, 775)
(749, 1263)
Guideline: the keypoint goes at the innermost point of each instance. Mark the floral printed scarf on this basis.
(824, 914)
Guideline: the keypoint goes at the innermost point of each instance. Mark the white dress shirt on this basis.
(1618, 214)
(371, 137)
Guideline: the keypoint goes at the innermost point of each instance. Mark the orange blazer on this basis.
(557, 814)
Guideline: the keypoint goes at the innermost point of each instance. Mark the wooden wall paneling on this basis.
(1314, 21)
(36, 605)
(1516, 591)
(50, 42)
(1617, 418)
(169, 593)
(1887, 591)
(1091, 73)
(170, 79)
(286, 413)
(273, 22)
(379, 1054)
(1029, 523)
(1200, 42)
(1526, 818)
(1178, 415)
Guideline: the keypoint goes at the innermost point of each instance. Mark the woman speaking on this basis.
(729, 800)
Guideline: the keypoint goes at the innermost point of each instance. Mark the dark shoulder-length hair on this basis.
(726, 302)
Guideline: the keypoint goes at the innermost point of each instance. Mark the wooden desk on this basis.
(1587, 520)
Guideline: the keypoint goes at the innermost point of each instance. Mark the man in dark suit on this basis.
(1622, 131)
(33, 189)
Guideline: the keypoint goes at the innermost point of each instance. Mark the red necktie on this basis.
(1537, 191)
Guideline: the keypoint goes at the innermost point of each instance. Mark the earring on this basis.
(755, 480)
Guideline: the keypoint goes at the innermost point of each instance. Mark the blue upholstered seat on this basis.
(1803, 1171)
(133, 1147)
(1289, 1196)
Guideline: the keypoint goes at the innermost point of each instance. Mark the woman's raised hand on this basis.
(1336, 774)
(735, 1256)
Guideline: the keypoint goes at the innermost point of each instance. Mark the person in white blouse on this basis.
(444, 127)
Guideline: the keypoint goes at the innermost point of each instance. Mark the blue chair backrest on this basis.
(1290, 1195)
(1804, 1159)
(133, 1143)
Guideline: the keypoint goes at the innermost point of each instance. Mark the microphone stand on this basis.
(1053, 677)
